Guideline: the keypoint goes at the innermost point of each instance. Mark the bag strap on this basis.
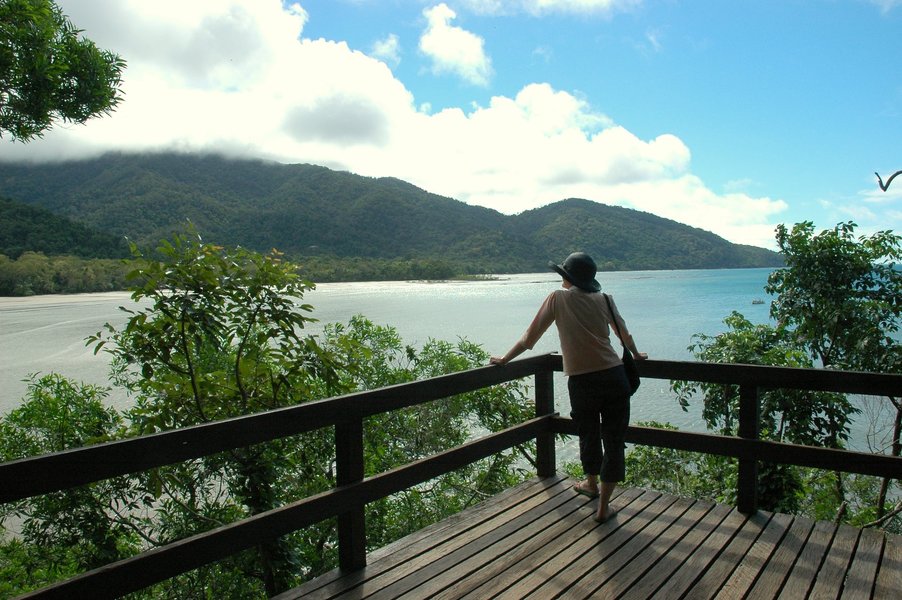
(613, 319)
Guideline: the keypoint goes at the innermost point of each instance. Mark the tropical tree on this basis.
(842, 297)
(222, 333)
(836, 304)
(48, 72)
(793, 416)
(84, 527)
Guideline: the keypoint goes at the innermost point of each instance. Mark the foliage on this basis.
(28, 228)
(221, 333)
(396, 438)
(26, 566)
(794, 416)
(841, 295)
(222, 336)
(48, 72)
(84, 523)
(837, 303)
(680, 472)
(326, 269)
(35, 273)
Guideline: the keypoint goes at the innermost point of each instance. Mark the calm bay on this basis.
(663, 309)
(42, 334)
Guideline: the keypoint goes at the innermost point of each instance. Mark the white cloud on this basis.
(654, 39)
(886, 6)
(738, 185)
(543, 7)
(388, 50)
(453, 49)
(298, 100)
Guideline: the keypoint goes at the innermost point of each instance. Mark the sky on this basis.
(732, 117)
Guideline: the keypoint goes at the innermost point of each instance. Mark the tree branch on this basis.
(885, 517)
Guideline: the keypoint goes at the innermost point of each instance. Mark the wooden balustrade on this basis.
(39, 475)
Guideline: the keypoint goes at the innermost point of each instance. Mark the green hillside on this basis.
(29, 228)
(312, 211)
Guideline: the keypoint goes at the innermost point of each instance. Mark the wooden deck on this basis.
(539, 541)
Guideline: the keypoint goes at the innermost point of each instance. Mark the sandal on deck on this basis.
(580, 487)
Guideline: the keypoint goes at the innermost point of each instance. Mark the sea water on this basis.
(663, 309)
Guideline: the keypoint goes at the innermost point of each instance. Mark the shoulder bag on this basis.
(629, 363)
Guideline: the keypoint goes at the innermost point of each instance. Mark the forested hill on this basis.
(312, 211)
(29, 228)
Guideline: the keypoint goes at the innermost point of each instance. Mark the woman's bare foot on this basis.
(603, 516)
(604, 508)
(586, 488)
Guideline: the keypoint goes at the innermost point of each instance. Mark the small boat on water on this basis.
(757, 301)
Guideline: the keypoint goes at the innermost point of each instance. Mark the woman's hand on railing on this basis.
(515, 351)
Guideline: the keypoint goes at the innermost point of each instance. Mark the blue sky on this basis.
(728, 116)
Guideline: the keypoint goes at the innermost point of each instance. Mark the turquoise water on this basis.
(663, 309)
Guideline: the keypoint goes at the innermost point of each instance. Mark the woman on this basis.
(599, 391)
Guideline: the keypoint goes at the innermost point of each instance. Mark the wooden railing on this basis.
(39, 475)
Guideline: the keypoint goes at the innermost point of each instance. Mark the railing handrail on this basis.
(37, 475)
(70, 468)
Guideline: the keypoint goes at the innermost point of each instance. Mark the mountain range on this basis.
(311, 211)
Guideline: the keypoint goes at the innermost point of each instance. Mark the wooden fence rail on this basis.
(39, 475)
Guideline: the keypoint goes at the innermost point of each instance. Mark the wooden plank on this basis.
(728, 560)
(522, 562)
(641, 553)
(657, 546)
(700, 560)
(38, 475)
(426, 567)
(775, 573)
(804, 572)
(449, 571)
(477, 513)
(603, 558)
(349, 468)
(410, 547)
(546, 457)
(496, 557)
(836, 564)
(564, 551)
(863, 570)
(749, 428)
(743, 578)
(889, 577)
(672, 560)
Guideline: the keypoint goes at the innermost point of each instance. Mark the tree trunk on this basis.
(896, 450)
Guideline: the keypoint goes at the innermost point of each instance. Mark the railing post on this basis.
(749, 428)
(349, 469)
(545, 454)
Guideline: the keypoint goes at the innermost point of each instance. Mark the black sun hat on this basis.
(579, 269)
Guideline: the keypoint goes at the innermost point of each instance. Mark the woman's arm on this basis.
(515, 351)
(540, 323)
